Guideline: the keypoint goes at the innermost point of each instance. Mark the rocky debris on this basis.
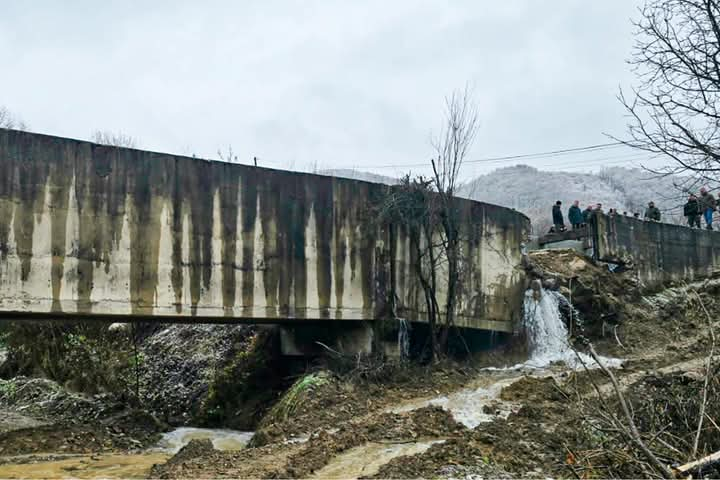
(181, 361)
(72, 438)
(119, 327)
(455, 458)
(194, 449)
(46, 399)
(10, 420)
(55, 419)
(532, 389)
(479, 471)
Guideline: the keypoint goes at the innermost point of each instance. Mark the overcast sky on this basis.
(326, 84)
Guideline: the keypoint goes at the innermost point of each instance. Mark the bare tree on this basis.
(454, 141)
(451, 148)
(9, 120)
(674, 109)
(105, 137)
(427, 211)
(228, 155)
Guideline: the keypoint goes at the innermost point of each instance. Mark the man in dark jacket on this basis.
(575, 215)
(558, 217)
(587, 213)
(707, 206)
(691, 210)
(652, 213)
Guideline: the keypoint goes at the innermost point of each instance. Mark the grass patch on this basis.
(289, 402)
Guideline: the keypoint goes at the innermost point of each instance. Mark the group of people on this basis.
(579, 218)
(702, 205)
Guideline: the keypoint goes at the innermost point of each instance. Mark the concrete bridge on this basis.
(103, 232)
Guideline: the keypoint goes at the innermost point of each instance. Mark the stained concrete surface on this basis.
(659, 252)
(99, 230)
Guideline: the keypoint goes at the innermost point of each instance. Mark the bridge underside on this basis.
(498, 326)
(300, 337)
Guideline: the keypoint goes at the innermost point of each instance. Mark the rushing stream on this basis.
(173, 441)
(548, 335)
(549, 353)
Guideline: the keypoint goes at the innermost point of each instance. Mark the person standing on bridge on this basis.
(691, 210)
(652, 213)
(707, 206)
(557, 216)
(575, 215)
(587, 213)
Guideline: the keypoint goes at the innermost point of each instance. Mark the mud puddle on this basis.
(119, 465)
(366, 460)
(90, 466)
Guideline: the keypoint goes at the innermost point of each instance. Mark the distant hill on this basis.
(534, 191)
(358, 175)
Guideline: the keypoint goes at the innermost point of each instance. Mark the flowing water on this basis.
(120, 465)
(172, 442)
(366, 460)
(548, 335)
(403, 338)
(480, 402)
(550, 353)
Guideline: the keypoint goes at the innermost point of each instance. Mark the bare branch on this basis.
(673, 110)
(105, 137)
(10, 120)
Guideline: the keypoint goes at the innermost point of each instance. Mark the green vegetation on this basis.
(287, 405)
(83, 356)
(242, 392)
(7, 389)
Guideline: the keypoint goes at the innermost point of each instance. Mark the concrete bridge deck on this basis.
(103, 232)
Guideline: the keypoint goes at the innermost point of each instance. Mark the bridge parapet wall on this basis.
(95, 230)
(659, 252)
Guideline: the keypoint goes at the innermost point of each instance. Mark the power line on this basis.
(589, 162)
(577, 152)
(552, 153)
(556, 153)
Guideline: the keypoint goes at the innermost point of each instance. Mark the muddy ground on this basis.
(555, 426)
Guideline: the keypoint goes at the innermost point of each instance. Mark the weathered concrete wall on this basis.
(660, 252)
(97, 230)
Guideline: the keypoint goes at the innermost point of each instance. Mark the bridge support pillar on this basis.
(346, 337)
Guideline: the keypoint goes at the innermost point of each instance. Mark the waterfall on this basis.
(548, 335)
(403, 338)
